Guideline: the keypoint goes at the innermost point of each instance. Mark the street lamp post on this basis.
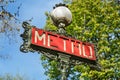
(62, 17)
(58, 47)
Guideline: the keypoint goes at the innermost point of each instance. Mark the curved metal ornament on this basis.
(26, 36)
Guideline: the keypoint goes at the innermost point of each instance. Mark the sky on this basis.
(25, 64)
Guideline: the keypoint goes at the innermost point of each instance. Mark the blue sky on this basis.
(29, 64)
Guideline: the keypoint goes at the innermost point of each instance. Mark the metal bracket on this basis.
(49, 55)
(25, 47)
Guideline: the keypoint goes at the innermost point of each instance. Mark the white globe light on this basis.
(61, 14)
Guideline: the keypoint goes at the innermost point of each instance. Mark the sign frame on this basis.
(68, 59)
(46, 40)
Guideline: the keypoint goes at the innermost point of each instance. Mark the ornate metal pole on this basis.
(64, 65)
(62, 17)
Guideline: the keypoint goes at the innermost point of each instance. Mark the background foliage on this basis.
(9, 27)
(97, 22)
(9, 24)
(10, 77)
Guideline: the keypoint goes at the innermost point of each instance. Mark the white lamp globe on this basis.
(61, 14)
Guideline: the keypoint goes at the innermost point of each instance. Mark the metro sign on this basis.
(62, 44)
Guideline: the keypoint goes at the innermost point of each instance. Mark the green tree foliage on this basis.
(10, 77)
(97, 22)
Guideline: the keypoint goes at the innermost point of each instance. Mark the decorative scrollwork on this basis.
(25, 47)
(60, 4)
(49, 55)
